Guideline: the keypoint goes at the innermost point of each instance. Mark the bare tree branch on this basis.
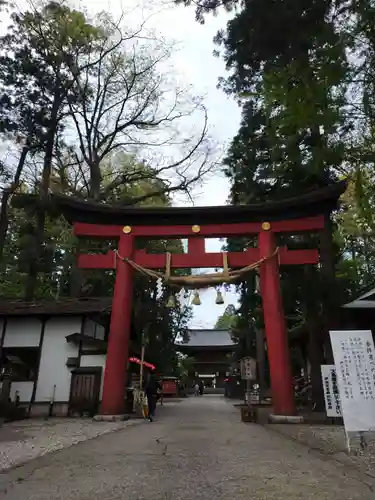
(127, 104)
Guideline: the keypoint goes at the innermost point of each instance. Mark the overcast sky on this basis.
(195, 62)
(195, 65)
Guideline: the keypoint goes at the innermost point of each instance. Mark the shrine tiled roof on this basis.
(364, 301)
(208, 338)
(62, 307)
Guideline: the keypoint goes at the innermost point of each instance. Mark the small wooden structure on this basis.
(170, 386)
(248, 414)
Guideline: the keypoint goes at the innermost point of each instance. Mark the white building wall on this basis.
(22, 332)
(25, 391)
(96, 360)
(55, 352)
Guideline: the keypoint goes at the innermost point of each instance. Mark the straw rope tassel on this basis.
(168, 266)
(225, 265)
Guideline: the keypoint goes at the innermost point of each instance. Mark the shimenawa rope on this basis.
(196, 281)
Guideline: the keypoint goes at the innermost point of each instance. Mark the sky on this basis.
(195, 61)
(193, 64)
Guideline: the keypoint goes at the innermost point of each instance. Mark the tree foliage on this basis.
(87, 111)
(302, 73)
(227, 319)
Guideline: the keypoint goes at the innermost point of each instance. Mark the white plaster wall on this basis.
(95, 360)
(25, 391)
(55, 352)
(22, 332)
(93, 329)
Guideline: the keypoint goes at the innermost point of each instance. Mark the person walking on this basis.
(201, 388)
(196, 389)
(151, 390)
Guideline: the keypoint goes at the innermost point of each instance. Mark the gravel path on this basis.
(29, 439)
(331, 441)
(197, 449)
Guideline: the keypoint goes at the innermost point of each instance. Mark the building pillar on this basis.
(113, 400)
(275, 327)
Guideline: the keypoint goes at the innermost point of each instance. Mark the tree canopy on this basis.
(302, 74)
(227, 319)
(86, 110)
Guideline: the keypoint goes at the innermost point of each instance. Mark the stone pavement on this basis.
(197, 449)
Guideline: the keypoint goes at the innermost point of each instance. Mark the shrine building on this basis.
(359, 314)
(211, 351)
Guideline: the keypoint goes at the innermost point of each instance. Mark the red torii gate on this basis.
(306, 213)
(276, 335)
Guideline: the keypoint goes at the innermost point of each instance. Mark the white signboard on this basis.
(248, 368)
(331, 391)
(354, 356)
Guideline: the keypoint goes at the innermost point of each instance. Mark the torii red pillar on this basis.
(113, 401)
(275, 327)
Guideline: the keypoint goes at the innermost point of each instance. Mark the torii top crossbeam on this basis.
(318, 202)
(305, 213)
(97, 220)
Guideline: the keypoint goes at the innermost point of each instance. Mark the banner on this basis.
(331, 391)
(354, 356)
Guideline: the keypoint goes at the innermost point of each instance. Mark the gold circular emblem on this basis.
(266, 226)
(196, 229)
(127, 229)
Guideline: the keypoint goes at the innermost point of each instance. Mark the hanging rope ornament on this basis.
(196, 299)
(219, 298)
(257, 283)
(197, 281)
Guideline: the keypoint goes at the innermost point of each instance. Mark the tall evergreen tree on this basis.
(288, 69)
